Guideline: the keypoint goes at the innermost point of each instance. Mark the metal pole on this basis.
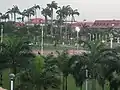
(1, 33)
(111, 42)
(12, 76)
(11, 85)
(118, 40)
(86, 84)
(1, 50)
(42, 42)
(77, 40)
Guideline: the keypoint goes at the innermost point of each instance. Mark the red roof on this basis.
(106, 24)
(37, 21)
(80, 24)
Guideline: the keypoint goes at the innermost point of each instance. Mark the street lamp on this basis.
(78, 30)
(1, 33)
(86, 74)
(42, 40)
(12, 76)
(111, 38)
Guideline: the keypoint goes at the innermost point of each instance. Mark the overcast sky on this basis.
(89, 9)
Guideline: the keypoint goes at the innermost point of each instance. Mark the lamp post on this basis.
(12, 76)
(42, 40)
(1, 33)
(86, 73)
(1, 50)
(78, 30)
(111, 40)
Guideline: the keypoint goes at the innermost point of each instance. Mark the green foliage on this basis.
(39, 63)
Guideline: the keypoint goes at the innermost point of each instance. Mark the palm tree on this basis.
(97, 52)
(24, 13)
(78, 69)
(72, 13)
(62, 15)
(0, 16)
(35, 7)
(11, 14)
(30, 12)
(16, 50)
(15, 10)
(42, 74)
(46, 12)
(64, 63)
(4, 17)
(52, 6)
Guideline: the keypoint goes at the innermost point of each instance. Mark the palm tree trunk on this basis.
(116, 88)
(45, 25)
(14, 17)
(51, 22)
(66, 83)
(11, 16)
(61, 32)
(63, 82)
(36, 15)
(0, 78)
(81, 87)
(23, 19)
(103, 87)
(61, 29)
(93, 84)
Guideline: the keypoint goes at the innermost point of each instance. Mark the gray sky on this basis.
(89, 9)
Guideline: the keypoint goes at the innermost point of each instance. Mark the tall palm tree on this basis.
(62, 14)
(46, 12)
(64, 63)
(0, 16)
(15, 10)
(52, 6)
(78, 69)
(24, 14)
(72, 13)
(30, 12)
(4, 17)
(35, 7)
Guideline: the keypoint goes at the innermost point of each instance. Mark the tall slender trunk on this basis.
(45, 25)
(61, 29)
(66, 83)
(14, 17)
(93, 84)
(22, 18)
(36, 15)
(81, 87)
(63, 82)
(116, 88)
(51, 22)
(1, 78)
(66, 27)
(11, 16)
(103, 87)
